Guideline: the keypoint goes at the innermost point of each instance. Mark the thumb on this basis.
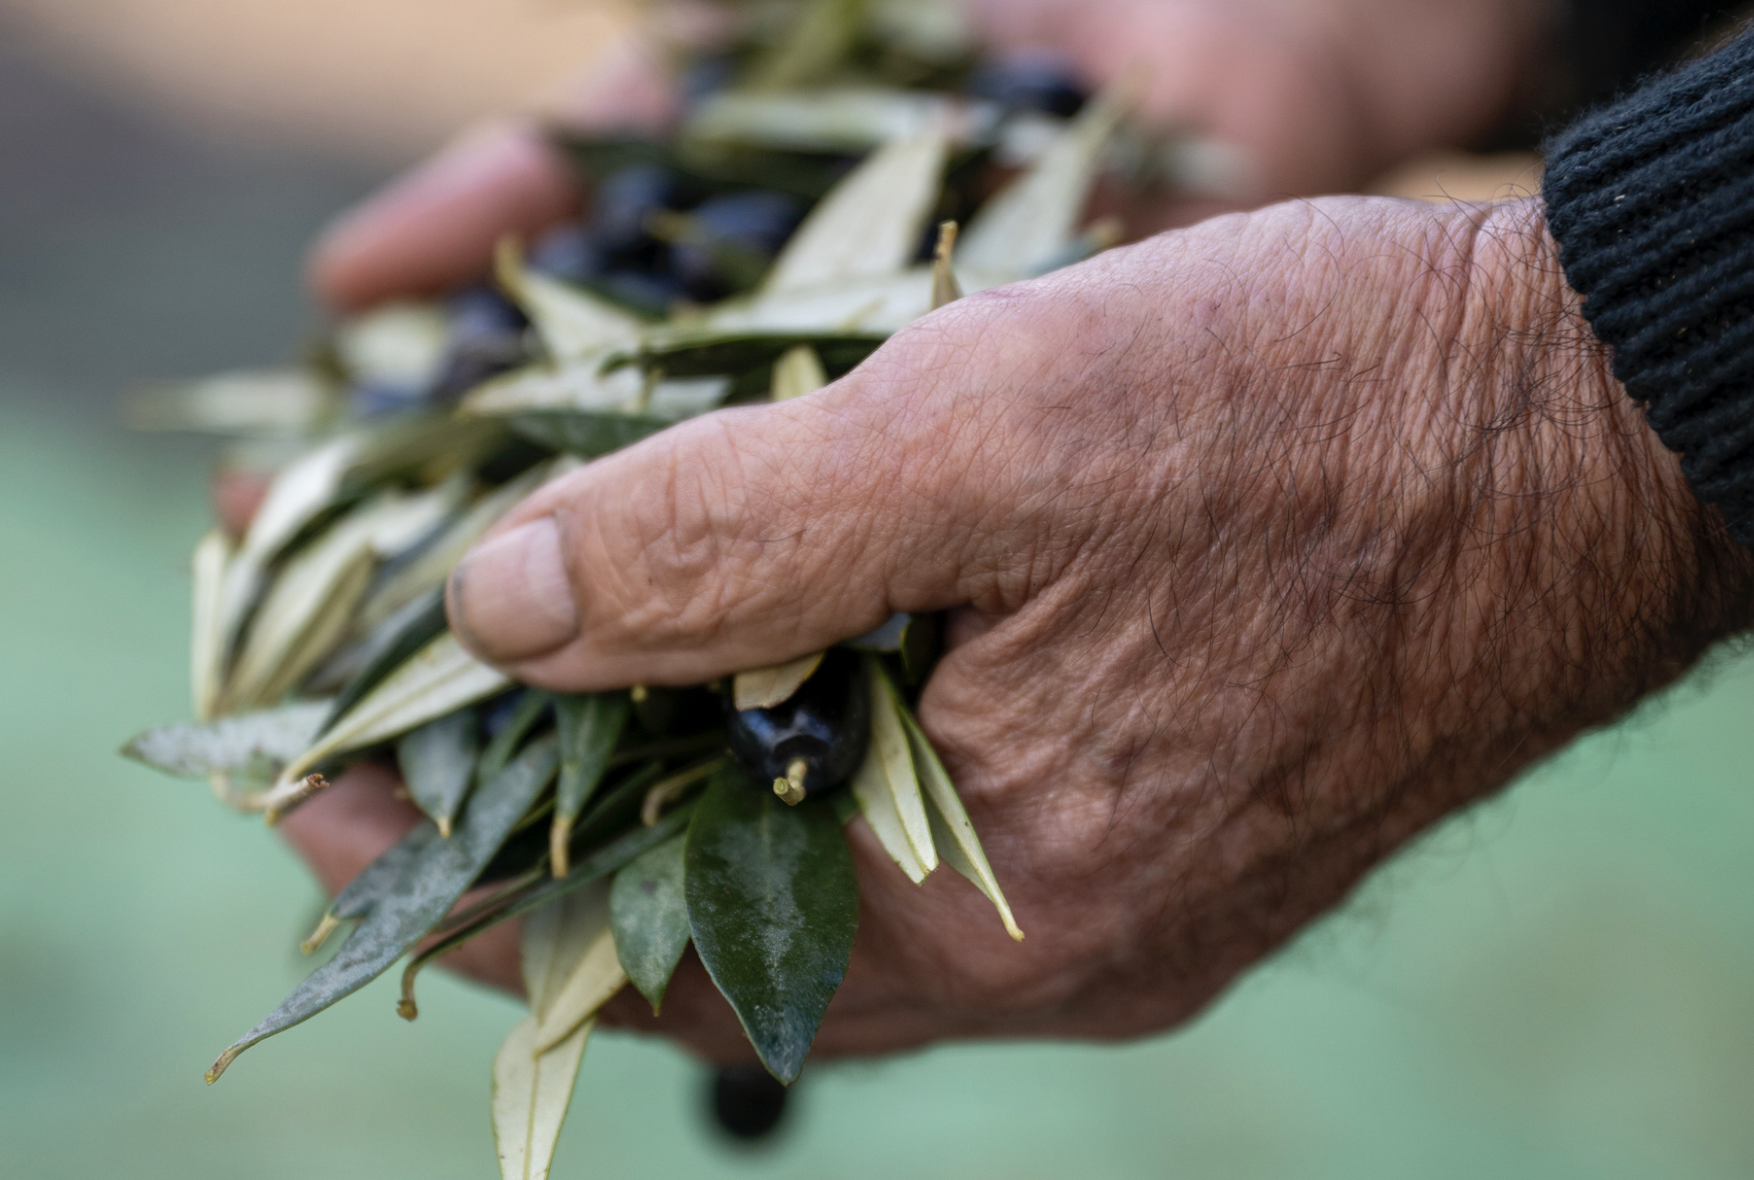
(736, 540)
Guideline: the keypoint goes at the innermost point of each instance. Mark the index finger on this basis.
(436, 227)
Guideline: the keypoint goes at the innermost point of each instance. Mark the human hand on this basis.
(1266, 543)
(1283, 97)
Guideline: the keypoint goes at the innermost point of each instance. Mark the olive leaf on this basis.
(870, 225)
(876, 802)
(763, 688)
(590, 726)
(371, 883)
(438, 765)
(573, 996)
(529, 894)
(531, 1094)
(393, 643)
(310, 605)
(532, 1087)
(584, 432)
(649, 912)
(773, 904)
(870, 308)
(951, 827)
(532, 704)
(207, 639)
(301, 492)
(579, 384)
(429, 568)
(428, 887)
(813, 46)
(238, 743)
(572, 322)
(887, 785)
(441, 678)
(797, 373)
(243, 402)
(399, 345)
(849, 119)
(1033, 220)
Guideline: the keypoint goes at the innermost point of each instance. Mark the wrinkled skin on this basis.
(1268, 543)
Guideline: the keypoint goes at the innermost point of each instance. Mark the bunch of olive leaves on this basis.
(622, 825)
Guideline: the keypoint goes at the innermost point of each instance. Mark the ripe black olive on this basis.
(812, 742)
(749, 227)
(485, 337)
(747, 1102)
(1036, 80)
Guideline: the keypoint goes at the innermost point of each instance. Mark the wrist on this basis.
(1606, 578)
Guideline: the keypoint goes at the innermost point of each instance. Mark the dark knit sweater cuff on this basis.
(1652, 203)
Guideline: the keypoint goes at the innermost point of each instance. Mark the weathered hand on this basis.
(1267, 542)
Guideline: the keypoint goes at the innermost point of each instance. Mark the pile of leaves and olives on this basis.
(804, 210)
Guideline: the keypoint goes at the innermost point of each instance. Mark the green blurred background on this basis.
(1556, 985)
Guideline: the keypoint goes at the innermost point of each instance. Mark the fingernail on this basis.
(510, 599)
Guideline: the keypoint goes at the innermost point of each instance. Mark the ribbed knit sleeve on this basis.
(1652, 203)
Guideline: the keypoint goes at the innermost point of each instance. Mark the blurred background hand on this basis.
(1270, 99)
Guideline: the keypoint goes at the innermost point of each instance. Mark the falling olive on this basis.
(747, 1102)
(811, 742)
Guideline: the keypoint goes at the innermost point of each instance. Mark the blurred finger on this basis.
(437, 226)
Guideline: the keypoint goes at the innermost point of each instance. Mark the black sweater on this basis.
(1652, 203)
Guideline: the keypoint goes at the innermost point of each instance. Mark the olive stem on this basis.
(791, 788)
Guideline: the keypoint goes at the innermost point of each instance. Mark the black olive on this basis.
(747, 228)
(812, 742)
(747, 1102)
(485, 337)
(1037, 80)
(571, 253)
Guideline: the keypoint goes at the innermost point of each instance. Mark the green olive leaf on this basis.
(763, 688)
(572, 322)
(528, 711)
(441, 678)
(870, 225)
(952, 830)
(438, 765)
(797, 373)
(587, 433)
(300, 492)
(773, 904)
(310, 605)
(266, 402)
(427, 570)
(813, 45)
(649, 910)
(887, 784)
(849, 119)
(532, 1092)
(590, 726)
(1033, 220)
(239, 743)
(401, 344)
(371, 883)
(207, 639)
(395, 642)
(434, 878)
(574, 990)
